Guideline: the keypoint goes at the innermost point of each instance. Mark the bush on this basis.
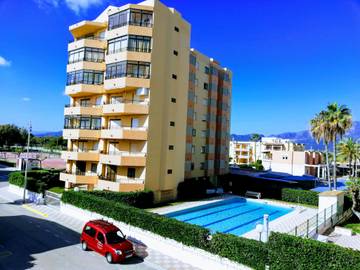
(185, 233)
(38, 180)
(290, 252)
(140, 199)
(300, 196)
(192, 189)
(244, 251)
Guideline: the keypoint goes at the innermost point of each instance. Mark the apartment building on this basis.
(279, 155)
(127, 123)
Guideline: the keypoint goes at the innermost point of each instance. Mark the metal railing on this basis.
(320, 222)
(90, 37)
(125, 153)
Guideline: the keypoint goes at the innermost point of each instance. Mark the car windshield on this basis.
(115, 237)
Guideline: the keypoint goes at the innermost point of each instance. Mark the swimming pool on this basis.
(236, 216)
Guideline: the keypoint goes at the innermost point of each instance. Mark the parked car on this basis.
(106, 239)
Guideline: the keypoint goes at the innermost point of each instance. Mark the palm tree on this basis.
(255, 137)
(347, 149)
(340, 121)
(320, 131)
(356, 157)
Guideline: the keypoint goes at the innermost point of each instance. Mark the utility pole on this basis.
(27, 161)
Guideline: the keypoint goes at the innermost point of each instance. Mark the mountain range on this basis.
(303, 137)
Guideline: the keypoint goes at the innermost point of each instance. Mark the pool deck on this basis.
(282, 224)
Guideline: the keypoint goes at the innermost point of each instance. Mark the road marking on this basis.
(27, 207)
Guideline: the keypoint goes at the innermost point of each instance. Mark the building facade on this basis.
(278, 155)
(128, 83)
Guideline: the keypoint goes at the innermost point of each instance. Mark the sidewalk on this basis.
(151, 257)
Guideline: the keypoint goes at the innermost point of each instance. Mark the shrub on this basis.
(185, 233)
(192, 188)
(244, 251)
(290, 252)
(140, 199)
(300, 196)
(38, 180)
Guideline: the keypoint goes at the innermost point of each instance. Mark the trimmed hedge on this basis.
(140, 199)
(300, 196)
(241, 250)
(38, 180)
(290, 252)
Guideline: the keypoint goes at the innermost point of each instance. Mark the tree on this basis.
(320, 130)
(11, 135)
(340, 121)
(255, 138)
(354, 189)
(348, 149)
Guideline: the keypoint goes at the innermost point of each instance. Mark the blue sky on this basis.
(289, 58)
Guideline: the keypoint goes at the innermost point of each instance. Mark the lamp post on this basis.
(27, 161)
(356, 167)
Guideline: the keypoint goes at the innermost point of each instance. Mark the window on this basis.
(131, 173)
(202, 165)
(128, 69)
(100, 237)
(130, 16)
(173, 100)
(174, 76)
(203, 149)
(85, 77)
(192, 59)
(82, 122)
(203, 133)
(86, 54)
(171, 147)
(206, 86)
(172, 123)
(175, 53)
(90, 231)
(134, 122)
(176, 29)
(193, 149)
(169, 171)
(85, 102)
(192, 166)
(204, 118)
(195, 99)
(207, 70)
(193, 132)
(205, 101)
(194, 116)
(93, 167)
(129, 43)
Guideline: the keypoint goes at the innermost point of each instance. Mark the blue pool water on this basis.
(236, 216)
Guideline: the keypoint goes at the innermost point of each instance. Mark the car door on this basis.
(100, 243)
(89, 236)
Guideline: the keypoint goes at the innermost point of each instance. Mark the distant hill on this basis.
(47, 133)
(303, 137)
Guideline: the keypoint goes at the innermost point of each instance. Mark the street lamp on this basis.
(26, 161)
(356, 167)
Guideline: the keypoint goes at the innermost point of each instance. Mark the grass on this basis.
(355, 227)
(58, 190)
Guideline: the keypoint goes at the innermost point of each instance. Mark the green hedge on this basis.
(300, 196)
(242, 250)
(38, 180)
(290, 252)
(140, 199)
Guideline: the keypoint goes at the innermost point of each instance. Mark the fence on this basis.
(322, 221)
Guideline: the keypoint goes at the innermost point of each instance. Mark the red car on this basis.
(106, 239)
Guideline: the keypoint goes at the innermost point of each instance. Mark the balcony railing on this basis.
(125, 128)
(85, 81)
(129, 49)
(87, 59)
(82, 127)
(126, 153)
(127, 101)
(135, 23)
(115, 178)
(87, 105)
(90, 37)
(127, 74)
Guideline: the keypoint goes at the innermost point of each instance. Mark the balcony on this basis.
(77, 133)
(130, 29)
(79, 178)
(87, 65)
(124, 159)
(77, 90)
(90, 155)
(131, 54)
(126, 107)
(130, 133)
(123, 185)
(126, 83)
(91, 42)
(86, 28)
(76, 109)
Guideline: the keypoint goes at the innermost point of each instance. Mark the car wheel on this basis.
(84, 246)
(109, 258)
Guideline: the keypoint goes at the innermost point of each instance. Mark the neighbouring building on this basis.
(145, 111)
(279, 155)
